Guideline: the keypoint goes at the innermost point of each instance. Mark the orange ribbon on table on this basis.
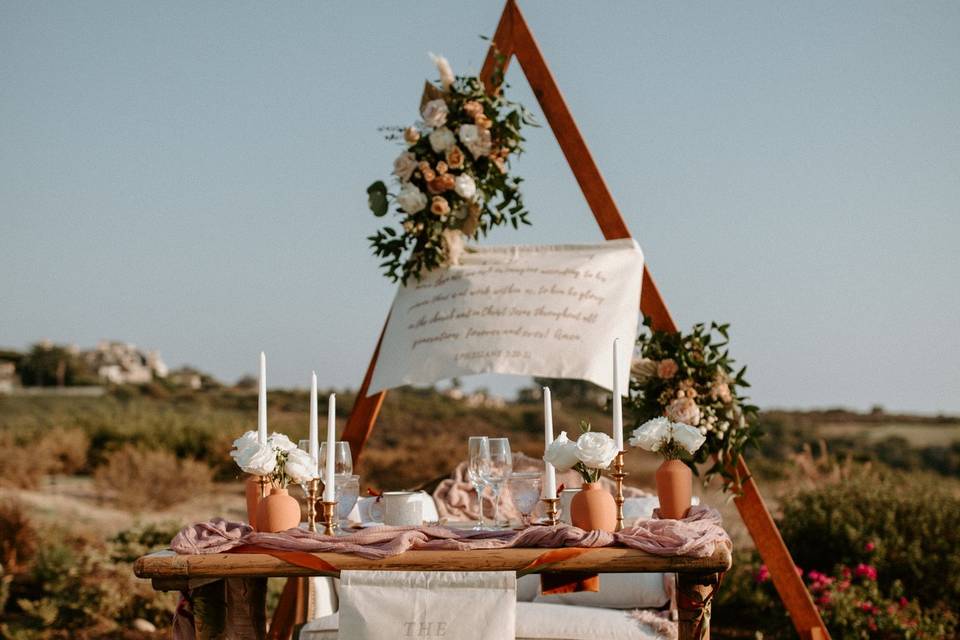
(299, 558)
(564, 581)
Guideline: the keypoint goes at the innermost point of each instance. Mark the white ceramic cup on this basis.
(402, 509)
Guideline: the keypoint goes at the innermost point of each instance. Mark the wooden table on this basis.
(240, 604)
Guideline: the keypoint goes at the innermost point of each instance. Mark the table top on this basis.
(167, 564)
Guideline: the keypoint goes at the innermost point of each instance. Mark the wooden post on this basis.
(514, 38)
(694, 599)
(247, 609)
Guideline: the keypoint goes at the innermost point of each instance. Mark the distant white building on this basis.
(8, 377)
(124, 363)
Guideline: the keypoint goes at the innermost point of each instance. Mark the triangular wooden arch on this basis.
(514, 38)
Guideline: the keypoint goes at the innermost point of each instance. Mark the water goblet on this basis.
(342, 459)
(498, 472)
(347, 488)
(478, 461)
(525, 492)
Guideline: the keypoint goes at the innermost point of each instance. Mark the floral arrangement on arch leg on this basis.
(592, 452)
(690, 378)
(452, 176)
(278, 459)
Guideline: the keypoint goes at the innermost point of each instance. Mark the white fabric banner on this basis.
(550, 311)
(467, 605)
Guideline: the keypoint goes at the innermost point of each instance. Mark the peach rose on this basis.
(683, 410)
(411, 135)
(439, 206)
(441, 167)
(455, 158)
(441, 184)
(667, 369)
(483, 121)
(472, 108)
(428, 174)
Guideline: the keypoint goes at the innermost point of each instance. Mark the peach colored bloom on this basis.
(428, 174)
(455, 158)
(472, 108)
(439, 206)
(441, 183)
(483, 121)
(442, 167)
(411, 135)
(667, 369)
(683, 410)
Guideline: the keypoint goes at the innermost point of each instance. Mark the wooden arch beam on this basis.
(513, 38)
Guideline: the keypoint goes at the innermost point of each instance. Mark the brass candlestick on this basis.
(264, 482)
(551, 509)
(312, 488)
(618, 475)
(329, 509)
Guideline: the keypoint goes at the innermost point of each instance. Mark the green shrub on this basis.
(904, 525)
(130, 544)
(142, 479)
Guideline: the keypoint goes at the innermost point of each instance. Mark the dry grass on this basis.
(147, 479)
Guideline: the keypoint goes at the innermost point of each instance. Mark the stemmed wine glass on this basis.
(525, 491)
(342, 460)
(498, 472)
(478, 461)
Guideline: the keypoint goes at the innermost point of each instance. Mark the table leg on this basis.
(246, 604)
(694, 595)
(209, 610)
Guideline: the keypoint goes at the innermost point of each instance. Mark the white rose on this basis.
(562, 453)
(259, 461)
(596, 450)
(411, 199)
(435, 113)
(300, 467)
(465, 187)
(651, 434)
(404, 165)
(442, 139)
(476, 140)
(687, 437)
(281, 442)
(248, 440)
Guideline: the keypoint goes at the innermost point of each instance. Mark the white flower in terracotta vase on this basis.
(404, 165)
(259, 461)
(465, 186)
(562, 453)
(411, 199)
(651, 434)
(687, 437)
(441, 139)
(300, 466)
(281, 442)
(435, 113)
(596, 450)
(249, 440)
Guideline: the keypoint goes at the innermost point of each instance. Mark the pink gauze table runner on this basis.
(695, 536)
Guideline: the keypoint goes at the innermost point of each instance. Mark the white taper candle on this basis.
(550, 474)
(328, 481)
(314, 430)
(262, 401)
(617, 399)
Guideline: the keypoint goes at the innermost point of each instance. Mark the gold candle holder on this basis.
(329, 509)
(618, 475)
(312, 487)
(264, 482)
(552, 510)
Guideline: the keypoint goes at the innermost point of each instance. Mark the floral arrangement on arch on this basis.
(452, 176)
(591, 453)
(690, 379)
(278, 459)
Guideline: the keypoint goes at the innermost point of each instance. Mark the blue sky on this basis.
(191, 176)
